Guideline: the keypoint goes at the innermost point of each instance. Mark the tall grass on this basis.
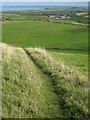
(70, 85)
(26, 91)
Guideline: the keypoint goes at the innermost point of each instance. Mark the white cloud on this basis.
(44, 0)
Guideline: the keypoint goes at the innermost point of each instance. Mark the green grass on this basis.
(27, 92)
(41, 86)
(80, 19)
(78, 60)
(82, 13)
(44, 84)
(21, 17)
(44, 34)
(70, 84)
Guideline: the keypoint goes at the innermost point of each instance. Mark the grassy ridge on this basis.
(71, 86)
(27, 92)
(44, 34)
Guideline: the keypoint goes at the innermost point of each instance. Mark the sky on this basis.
(44, 0)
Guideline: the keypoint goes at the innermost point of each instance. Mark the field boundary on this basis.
(69, 49)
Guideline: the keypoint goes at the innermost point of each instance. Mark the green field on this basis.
(73, 59)
(44, 34)
(82, 13)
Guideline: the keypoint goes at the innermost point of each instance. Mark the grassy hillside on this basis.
(27, 92)
(39, 86)
(69, 84)
(74, 59)
(44, 34)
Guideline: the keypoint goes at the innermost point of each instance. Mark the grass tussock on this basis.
(70, 85)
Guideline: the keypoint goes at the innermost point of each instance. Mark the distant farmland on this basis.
(45, 34)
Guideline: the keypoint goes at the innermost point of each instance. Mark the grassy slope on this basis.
(73, 59)
(27, 92)
(54, 91)
(71, 85)
(49, 35)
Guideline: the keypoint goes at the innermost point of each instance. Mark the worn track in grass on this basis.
(70, 85)
(27, 92)
(39, 87)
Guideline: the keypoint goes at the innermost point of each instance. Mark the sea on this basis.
(13, 6)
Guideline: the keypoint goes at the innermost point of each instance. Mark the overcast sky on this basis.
(44, 0)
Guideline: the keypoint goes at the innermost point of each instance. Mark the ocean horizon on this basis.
(13, 6)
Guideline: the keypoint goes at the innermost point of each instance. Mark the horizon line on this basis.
(44, 2)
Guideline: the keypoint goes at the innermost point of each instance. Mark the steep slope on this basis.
(27, 92)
